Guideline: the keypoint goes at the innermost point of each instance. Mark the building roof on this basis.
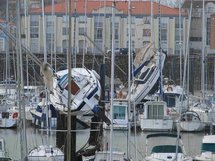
(138, 7)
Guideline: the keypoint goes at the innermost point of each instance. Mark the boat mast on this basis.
(26, 41)
(85, 31)
(71, 141)
(52, 36)
(112, 77)
(152, 23)
(23, 138)
(7, 53)
(160, 50)
(44, 33)
(203, 54)
(129, 76)
(184, 74)
(180, 41)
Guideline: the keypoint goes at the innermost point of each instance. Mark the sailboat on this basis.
(199, 114)
(146, 71)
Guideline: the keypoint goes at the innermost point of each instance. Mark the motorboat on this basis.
(155, 117)
(165, 147)
(207, 149)
(120, 114)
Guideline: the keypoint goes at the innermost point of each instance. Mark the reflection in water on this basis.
(35, 137)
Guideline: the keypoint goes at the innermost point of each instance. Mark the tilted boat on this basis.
(85, 89)
(146, 71)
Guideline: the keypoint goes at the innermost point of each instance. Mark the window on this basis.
(34, 26)
(170, 100)
(132, 20)
(98, 29)
(132, 32)
(155, 111)
(116, 27)
(208, 32)
(98, 33)
(65, 19)
(81, 19)
(65, 44)
(177, 34)
(65, 31)
(119, 112)
(147, 32)
(82, 30)
(163, 34)
(2, 46)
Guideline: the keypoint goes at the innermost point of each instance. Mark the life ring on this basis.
(169, 88)
(15, 115)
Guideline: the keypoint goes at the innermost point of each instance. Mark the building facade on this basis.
(197, 25)
(149, 22)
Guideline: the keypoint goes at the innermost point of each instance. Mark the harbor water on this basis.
(121, 141)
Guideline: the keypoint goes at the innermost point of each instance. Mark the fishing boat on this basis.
(155, 117)
(3, 154)
(207, 149)
(146, 71)
(166, 147)
(45, 153)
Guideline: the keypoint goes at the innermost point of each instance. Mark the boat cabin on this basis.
(155, 117)
(120, 114)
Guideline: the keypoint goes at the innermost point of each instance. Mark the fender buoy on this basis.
(15, 115)
(169, 88)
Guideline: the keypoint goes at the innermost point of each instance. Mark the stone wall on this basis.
(171, 68)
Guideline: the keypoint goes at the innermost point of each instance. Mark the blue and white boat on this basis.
(85, 89)
(147, 65)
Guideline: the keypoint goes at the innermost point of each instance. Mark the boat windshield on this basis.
(166, 149)
(170, 100)
(208, 147)
(5, 159)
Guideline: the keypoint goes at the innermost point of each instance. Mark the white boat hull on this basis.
(156, 124)
(8, 119)
(46, 153)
